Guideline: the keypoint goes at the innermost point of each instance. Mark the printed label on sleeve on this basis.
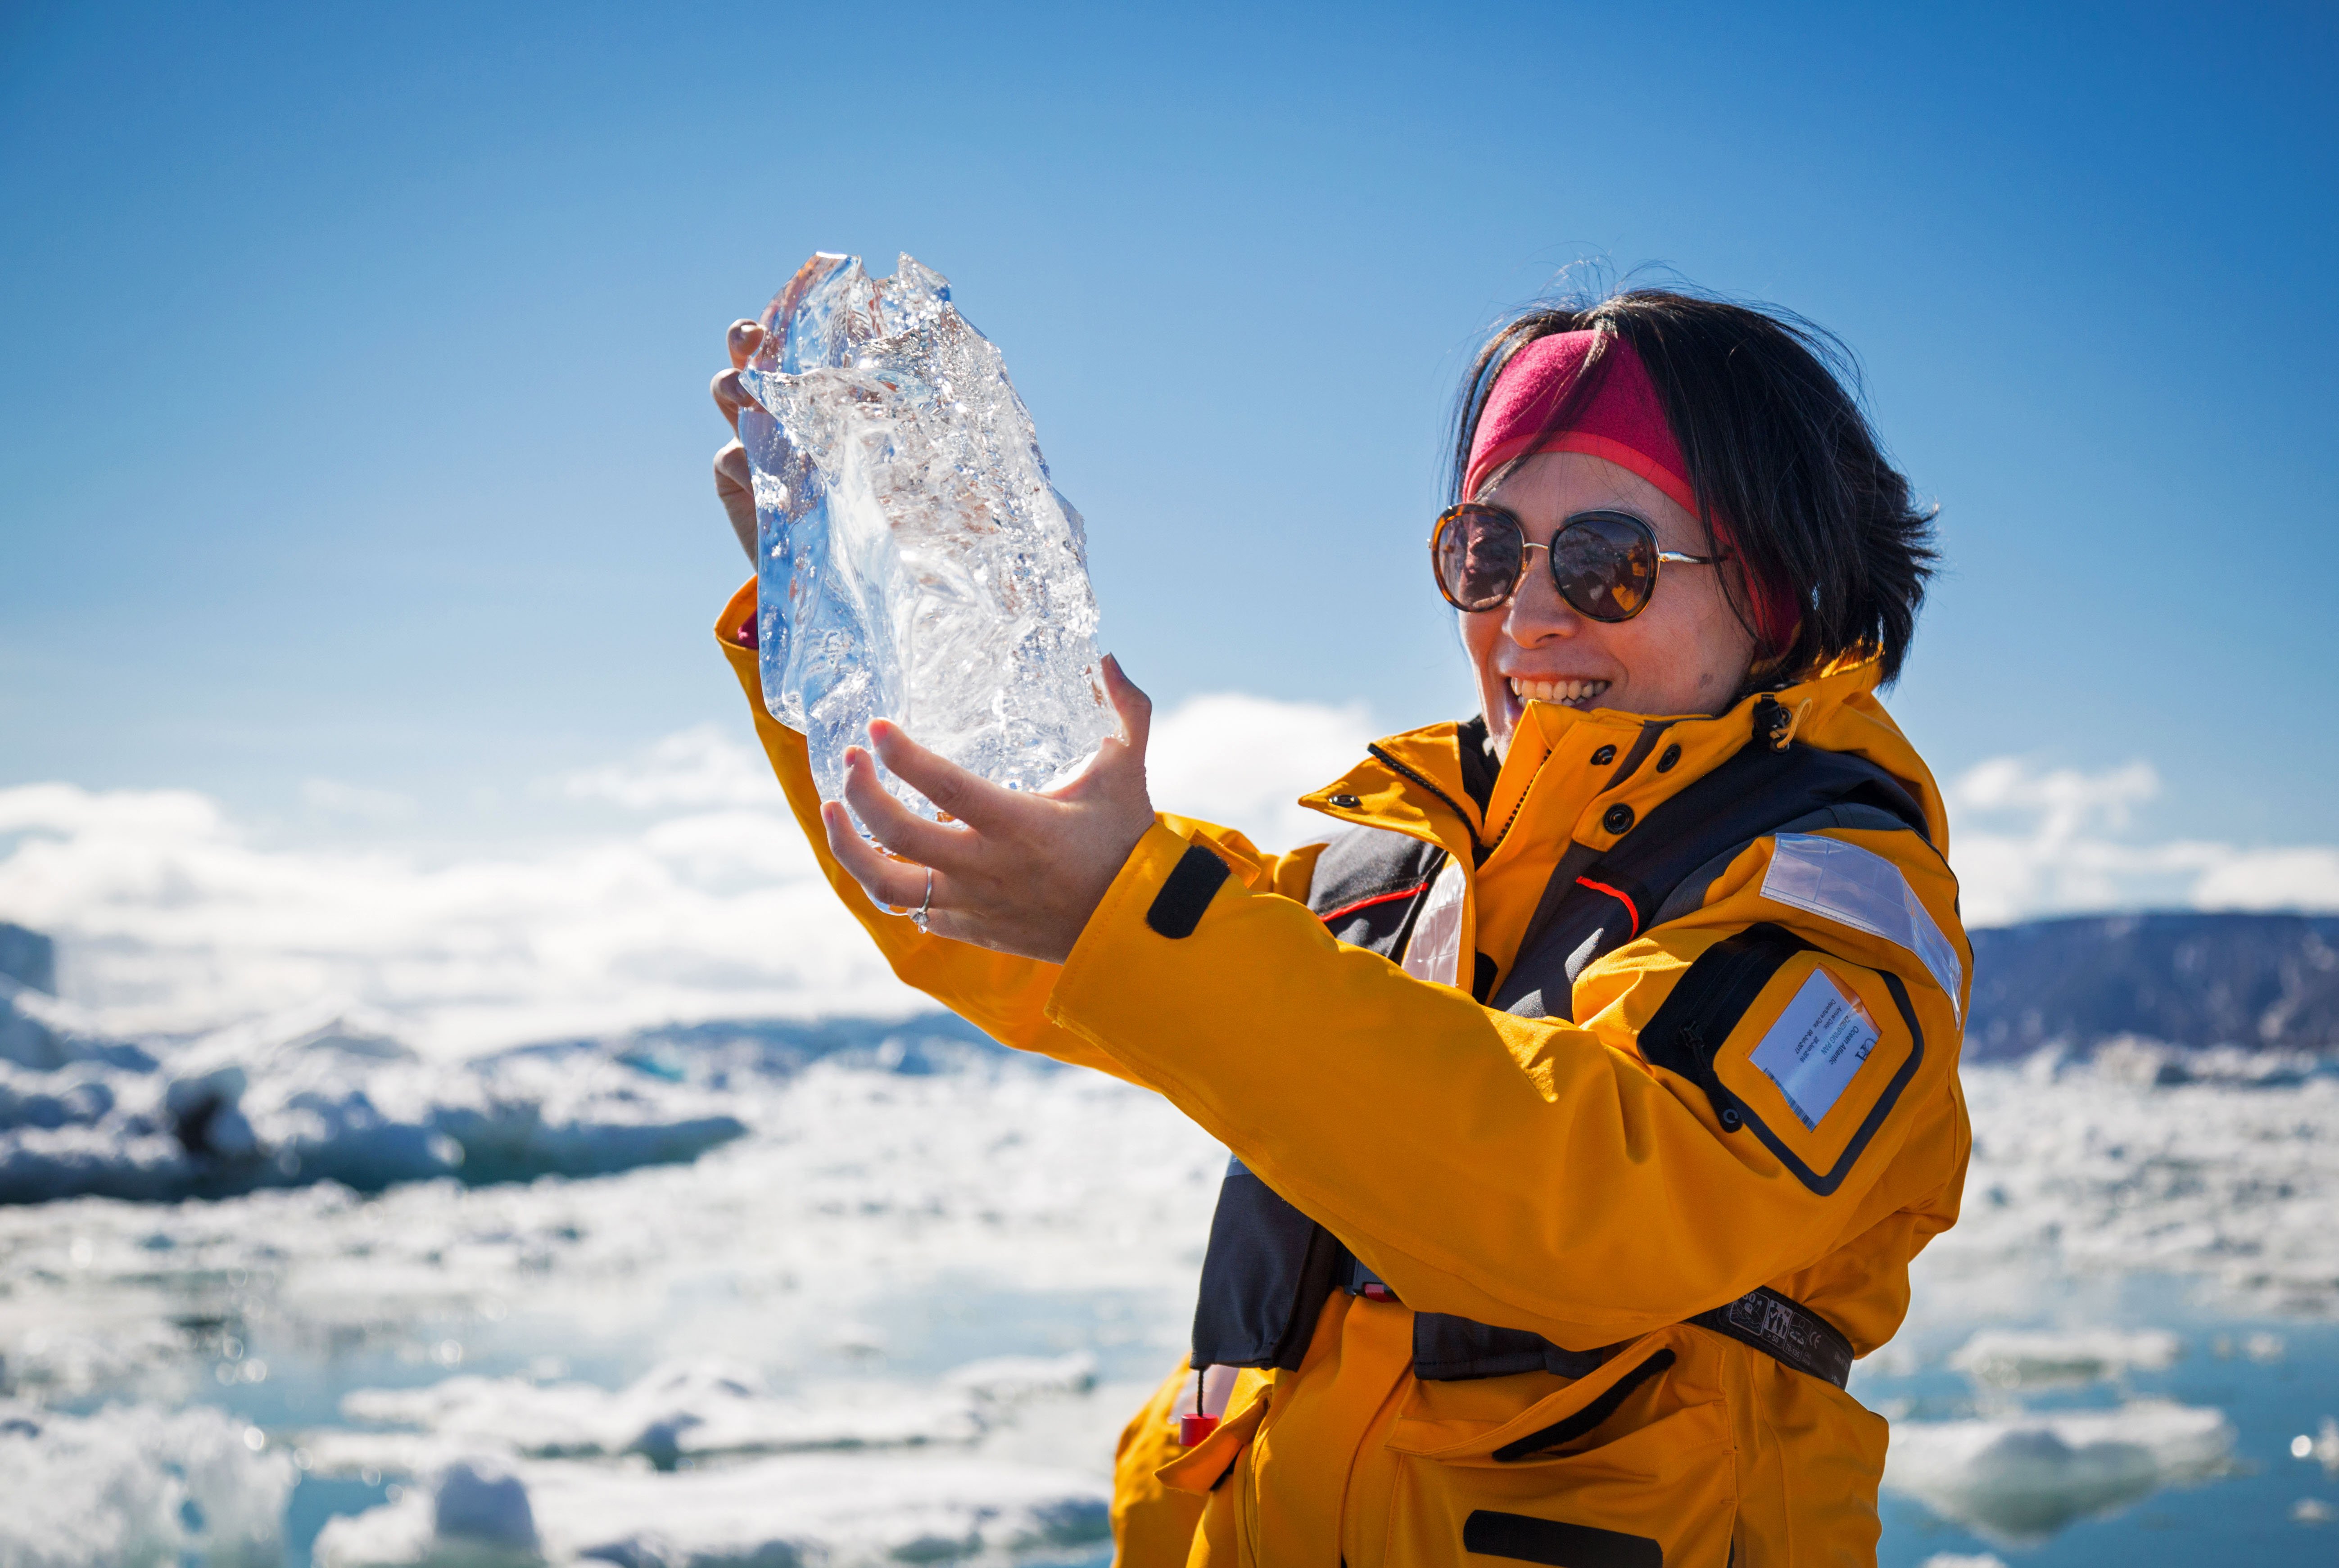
(1815, 1046)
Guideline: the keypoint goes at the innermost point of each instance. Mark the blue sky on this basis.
(353, 423)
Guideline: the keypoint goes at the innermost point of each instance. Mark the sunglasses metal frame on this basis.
(1600, 514)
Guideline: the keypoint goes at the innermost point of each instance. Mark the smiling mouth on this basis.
(1566, 693)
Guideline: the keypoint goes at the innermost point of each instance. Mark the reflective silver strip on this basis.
(1860, 888)
(1433, 951)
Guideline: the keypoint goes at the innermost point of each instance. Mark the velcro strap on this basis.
(1177, 909)
(1786, 1329)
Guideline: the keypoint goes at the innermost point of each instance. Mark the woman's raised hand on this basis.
(1015, 871)
(733, 485)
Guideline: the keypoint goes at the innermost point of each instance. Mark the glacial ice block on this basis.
(914, 560)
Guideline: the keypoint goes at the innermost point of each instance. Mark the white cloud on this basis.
(705, 766)
(2302, 877)
(174, 916)
(2030, 841)
(1244, 761)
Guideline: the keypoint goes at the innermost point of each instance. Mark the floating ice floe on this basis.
(2022, 1478)
(833, 1511)
(682, 1411)
(2041, 1358)
(136, 1487)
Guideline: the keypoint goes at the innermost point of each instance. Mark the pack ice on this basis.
(915, 562)
(320, 1095)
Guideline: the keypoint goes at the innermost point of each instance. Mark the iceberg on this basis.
(2021, 1478)
(915, 562)
(310, 1096)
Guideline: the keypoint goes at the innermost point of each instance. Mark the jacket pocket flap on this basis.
(1559, 1418)
(1204, 1466)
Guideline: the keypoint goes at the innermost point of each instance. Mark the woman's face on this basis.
(1685, 654)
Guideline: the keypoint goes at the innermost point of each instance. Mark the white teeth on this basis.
(1576, 693)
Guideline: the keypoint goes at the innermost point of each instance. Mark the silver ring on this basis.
(919, 915)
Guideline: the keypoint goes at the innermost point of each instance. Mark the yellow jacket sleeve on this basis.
(1529, 1173)
(1000, 994)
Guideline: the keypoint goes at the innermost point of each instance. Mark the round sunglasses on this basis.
(1603, 564)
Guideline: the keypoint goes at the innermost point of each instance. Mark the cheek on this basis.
(1480, 635)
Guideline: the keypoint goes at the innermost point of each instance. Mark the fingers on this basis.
(730, 396)
(894, 824)
(731, 474)
(1133, 707)
(743, 339)
(734, 483)
(896, 883)
(735, 487)
(969, 797)
(1118, 768)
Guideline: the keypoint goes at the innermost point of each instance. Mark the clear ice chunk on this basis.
(914, 560)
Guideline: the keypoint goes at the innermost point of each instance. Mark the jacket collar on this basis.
(1412, 783)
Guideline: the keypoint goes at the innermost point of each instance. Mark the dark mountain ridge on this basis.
(2257, 982)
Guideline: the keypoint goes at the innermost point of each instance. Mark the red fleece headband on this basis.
(1622, 421)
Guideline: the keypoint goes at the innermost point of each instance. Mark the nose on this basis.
(1537, 614)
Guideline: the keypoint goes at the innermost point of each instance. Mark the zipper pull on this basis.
(1725, 1104)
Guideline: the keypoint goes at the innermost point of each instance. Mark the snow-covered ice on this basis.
(134, 1486)
(2078, 1173)
(915, 560)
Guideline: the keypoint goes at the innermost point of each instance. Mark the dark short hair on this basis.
(1767, 408)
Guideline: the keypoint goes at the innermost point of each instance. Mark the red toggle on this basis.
(1194, 1428)
(1374, 1290)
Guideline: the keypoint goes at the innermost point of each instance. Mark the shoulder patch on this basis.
(1809, 1054)
(1813, 1049)
(1860, 888)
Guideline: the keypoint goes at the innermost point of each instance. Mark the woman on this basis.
(1592, 1085)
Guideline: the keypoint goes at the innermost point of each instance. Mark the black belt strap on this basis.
(1787, 1329)
(1447, 1348)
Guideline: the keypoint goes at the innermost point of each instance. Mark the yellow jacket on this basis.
(1528, 1172)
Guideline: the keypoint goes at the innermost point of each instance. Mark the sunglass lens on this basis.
(1605, 567)
(1478, 555)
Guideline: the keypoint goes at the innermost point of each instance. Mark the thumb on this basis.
(1131, 706)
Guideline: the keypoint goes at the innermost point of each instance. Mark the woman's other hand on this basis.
(1019, 873)
(735, 487)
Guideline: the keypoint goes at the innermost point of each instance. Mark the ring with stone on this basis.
(918, 916)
